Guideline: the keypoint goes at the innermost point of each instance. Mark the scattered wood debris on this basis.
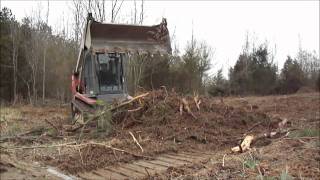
(136, 141)
(197, 101)
(184, 106)
(245, 145)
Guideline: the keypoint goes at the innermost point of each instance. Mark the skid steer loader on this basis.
(99, 74)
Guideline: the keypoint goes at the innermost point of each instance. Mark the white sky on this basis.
(222, 24)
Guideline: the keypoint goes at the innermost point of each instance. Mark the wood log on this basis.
(186, 107)
(245, 144)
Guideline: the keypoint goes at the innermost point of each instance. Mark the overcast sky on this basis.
(223, 25)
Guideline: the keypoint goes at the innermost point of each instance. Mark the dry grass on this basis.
(10, 120)
(9, 114)
(294, 156)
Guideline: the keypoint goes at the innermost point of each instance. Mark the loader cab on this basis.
(110, 73)
(102, 74)
(88, 78)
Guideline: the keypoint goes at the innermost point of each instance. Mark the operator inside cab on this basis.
(110, 72)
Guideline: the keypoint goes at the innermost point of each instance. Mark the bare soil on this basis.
(157, 124)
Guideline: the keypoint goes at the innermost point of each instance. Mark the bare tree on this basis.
(174, 42)
(99, 10)
(44, 57)
(115, 9)
(135, 12)
(33, 49)
(15, 49)
(89, 7)
(96, 7)
(27, 83)
(32, 62)
(141, 13)
(135, 19)
(135, 70)
(78, 19)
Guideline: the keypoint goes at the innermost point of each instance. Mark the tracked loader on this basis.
(104, 53)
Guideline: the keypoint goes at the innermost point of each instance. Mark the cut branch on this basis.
(165, 89)
(197, 101)
(134, 110)
(136, 141)
(185, 105)
(111, 109)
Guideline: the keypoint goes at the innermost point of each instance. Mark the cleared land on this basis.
(150, 138)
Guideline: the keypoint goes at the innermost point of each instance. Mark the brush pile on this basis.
(160, 121)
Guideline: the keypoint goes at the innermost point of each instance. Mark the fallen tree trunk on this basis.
(245, 144)
(249, 139)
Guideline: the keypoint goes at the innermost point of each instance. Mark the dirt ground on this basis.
(35, 138)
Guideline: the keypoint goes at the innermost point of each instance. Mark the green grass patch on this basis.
(259, 177)
(283, 176)
(250, 163)
(305, 133)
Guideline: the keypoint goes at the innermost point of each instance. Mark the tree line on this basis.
(36, 64)
(255, 72)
